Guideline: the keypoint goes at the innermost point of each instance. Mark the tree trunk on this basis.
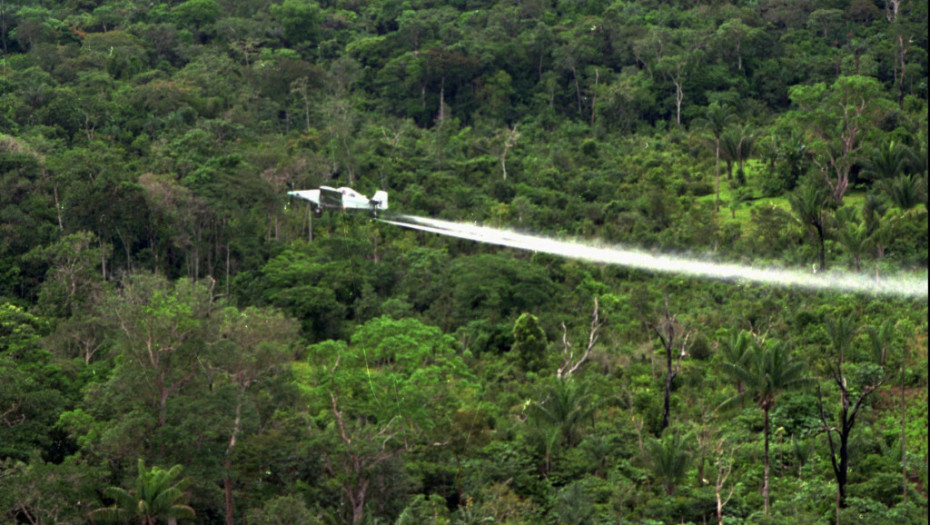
(719, 507)
(597, 77)
(903, 433)
(717, 172)
(61, 226)
(765, 468)
(723, 472)
(822, 254)
(357, 499)
(227, 267)
(669, 376)
(227, 481)
(841, 472)
(577, 89)
(162, 402)
(227, 488)
(440, 119)
(902, 51)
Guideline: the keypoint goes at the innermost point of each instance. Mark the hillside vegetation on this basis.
(180, 340)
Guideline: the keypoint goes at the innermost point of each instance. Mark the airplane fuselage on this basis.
(343, 198)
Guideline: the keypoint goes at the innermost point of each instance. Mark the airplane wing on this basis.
(311, 195)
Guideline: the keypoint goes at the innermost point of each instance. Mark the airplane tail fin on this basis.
(380, 200)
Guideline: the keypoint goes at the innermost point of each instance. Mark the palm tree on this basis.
(739, 199)
(668, 459)
(766, 373)
(853, 234)
(157, 497)
(904, 191)
(735, 350)
(887, 162)
(573, 506)
(769, 151)
(746, 147)
(796, 156)
(716, 119)
(729, 149)
(566, 405)
(809, 203)
(881, 337)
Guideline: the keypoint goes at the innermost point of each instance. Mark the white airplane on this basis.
(327, 198)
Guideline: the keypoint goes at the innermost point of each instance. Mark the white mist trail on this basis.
(905, 285)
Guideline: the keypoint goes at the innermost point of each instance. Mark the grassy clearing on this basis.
(744, 213)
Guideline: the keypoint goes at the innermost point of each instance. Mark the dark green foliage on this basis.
(668, 459)
(157, 496)
(765, 373)
(34, 389)
(810, 206)
(529, 342)
(905, 191)
(566, 407)
(147, 243)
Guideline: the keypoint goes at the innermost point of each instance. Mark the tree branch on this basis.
(568, 368)
(826, 427)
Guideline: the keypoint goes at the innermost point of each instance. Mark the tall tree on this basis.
(717, 118)
(161, 326)
(841, 331)
(31, 385)
(574, 49)
(393, 390)
(809, 203)
(837, 117)
(903, 36)
(733, 36)
(44, 492)
(674, 339)
(729, 149)
(257, 341)
(769, 371)
(746, 148)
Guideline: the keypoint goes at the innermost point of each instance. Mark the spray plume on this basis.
(900, 285)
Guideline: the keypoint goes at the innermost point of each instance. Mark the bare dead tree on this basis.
(891, 14)
(674, 338)
(510, 140)
(723, 461)
(569, 364)
(839, 452)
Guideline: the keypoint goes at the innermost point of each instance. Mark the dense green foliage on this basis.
(163, 303)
